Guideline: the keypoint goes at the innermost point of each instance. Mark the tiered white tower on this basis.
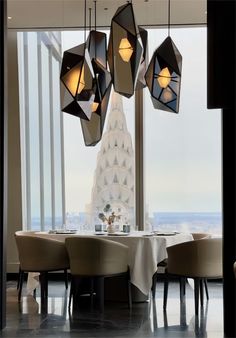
(114, 174)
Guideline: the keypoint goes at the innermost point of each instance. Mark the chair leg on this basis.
(18, 279)
(182, 287)
(21, 280)
(129, 290)
(201, 292)
(91, 291)
(166, 286)
(154, 284)
(100, 283)
(66, 278)
(44, 284)
(206, 288)
(71, 291)
(196, 294)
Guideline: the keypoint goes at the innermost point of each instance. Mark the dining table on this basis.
(146, 250)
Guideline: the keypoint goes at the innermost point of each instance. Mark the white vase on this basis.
(111, 228)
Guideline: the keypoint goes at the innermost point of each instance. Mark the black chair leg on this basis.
(66, 278)
(21, 281)
(91, 291)
(100, 284)
(182, 282)
(196, 294)
(154, 284)
(129, 291)
(18, 279)
(201, 292)
(166, 286)
(206, 288)
(71, 290)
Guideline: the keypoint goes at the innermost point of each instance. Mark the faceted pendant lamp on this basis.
(93, 129)
(141, 83)
(124, 50)
(163, 76)
(77, 79)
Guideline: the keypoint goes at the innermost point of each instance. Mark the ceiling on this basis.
(66, 14)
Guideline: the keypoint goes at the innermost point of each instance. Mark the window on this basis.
(95, 176)
(41, 119)
(183, 151)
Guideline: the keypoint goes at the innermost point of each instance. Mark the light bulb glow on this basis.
(164, 78)
(94, 106)
(167, 95)
(81, 81)
(125, 49)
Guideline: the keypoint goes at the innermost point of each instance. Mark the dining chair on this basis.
(40, 255)
(96, 259)
(198, 259)
(161, 266)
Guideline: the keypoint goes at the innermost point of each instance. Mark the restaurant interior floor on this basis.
(146, 319)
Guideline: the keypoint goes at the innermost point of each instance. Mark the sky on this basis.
(182, 157)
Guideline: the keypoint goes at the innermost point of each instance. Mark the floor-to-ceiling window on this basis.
(95, 176)
(39, 55)
(183, 151)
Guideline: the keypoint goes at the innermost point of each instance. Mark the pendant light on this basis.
(96, 44)
(141, 83)
(124, 50)
(163, 76)
(77, 80)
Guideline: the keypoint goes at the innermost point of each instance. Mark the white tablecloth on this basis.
(145, 252)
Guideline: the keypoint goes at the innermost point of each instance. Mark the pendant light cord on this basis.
(90, 9)
(85, 10)
(95, 26)
(168, 17)
(95, 15)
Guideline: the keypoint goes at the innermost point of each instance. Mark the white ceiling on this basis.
(64, 14)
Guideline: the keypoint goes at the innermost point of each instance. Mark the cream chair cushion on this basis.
(41, 254)
(96, 256)
(199, 258)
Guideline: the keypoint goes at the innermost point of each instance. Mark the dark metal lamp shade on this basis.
(77, 82)
(124, 50)
(163, 76)
(93, 129)
(141, 83)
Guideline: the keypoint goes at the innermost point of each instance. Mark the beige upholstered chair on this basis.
(40, 255)
(96, 258)
(200, 235)
(199, 259)
(161, 266)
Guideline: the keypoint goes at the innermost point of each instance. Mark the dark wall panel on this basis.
(221, 75)
(3, 171)
(221, 53)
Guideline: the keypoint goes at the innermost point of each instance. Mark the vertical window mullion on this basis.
(139, 173)
(50, 56)
(27, 136)
(41, 134)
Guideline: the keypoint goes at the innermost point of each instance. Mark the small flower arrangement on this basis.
(108, 218)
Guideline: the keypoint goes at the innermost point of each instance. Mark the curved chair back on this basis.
(96, 256)
(41, 254)
(200, 235)
(200, 258)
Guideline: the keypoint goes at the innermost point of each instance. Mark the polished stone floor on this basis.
(145, 320)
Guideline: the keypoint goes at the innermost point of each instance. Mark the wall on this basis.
(14, 214)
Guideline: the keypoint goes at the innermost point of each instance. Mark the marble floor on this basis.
(145, 319)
